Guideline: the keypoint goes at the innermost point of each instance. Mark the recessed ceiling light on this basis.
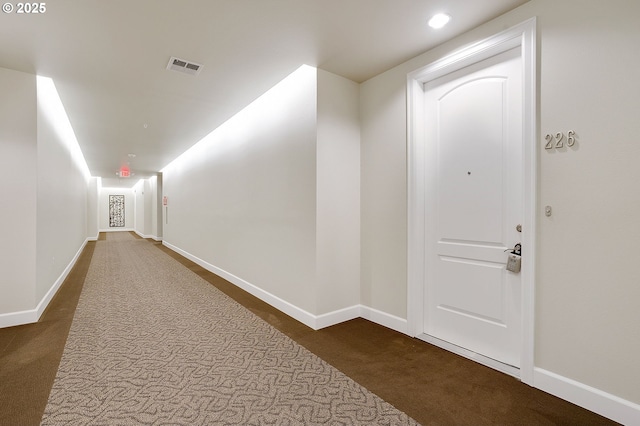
(439, 20)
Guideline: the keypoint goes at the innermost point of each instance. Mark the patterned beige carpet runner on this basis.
(154, 344)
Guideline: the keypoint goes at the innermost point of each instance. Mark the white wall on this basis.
(62, 193)
(384, 192)
(129, 208)
(338, 193)
(157, 222)
(146, 208)
(140, 226)
(271, 199)
(92, 208)
(45, 197)
(587, 288)
(244, 201)
(18, 162)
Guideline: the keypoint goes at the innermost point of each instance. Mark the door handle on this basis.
(517, 249)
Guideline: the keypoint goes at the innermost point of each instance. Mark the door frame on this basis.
(524, 37)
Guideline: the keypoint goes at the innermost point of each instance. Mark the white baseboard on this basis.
(56, 286)
(117, 230)
(280, 304)
(12, 319)
(315, 322)
(152, 237)
(387, 320)
(336, 317)
(33, 315)
(603, 403)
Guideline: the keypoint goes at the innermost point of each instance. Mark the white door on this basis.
(473, 206)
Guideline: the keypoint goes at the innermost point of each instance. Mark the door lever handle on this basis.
(517, 249)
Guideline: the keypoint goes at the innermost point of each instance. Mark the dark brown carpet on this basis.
(431, 385)
(30, 354)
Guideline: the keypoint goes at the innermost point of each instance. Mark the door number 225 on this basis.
(558, 140)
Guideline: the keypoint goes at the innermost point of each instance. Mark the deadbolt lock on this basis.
(519, 228)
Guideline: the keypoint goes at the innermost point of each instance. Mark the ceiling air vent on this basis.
(177, 64)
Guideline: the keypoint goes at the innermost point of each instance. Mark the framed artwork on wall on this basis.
(116, 211)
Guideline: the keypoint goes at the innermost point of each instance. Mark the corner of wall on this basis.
(18, 218)
(337, 194)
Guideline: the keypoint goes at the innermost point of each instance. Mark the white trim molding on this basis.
(56, 286)
(335, 317)
(293, 311)
(310, 320)
(33, 315)
(315, 322)
(522, 36)
(152, 237)
(12, 319)
(384, 319)
(603, 403)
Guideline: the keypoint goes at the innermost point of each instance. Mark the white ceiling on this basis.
(108, 59)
